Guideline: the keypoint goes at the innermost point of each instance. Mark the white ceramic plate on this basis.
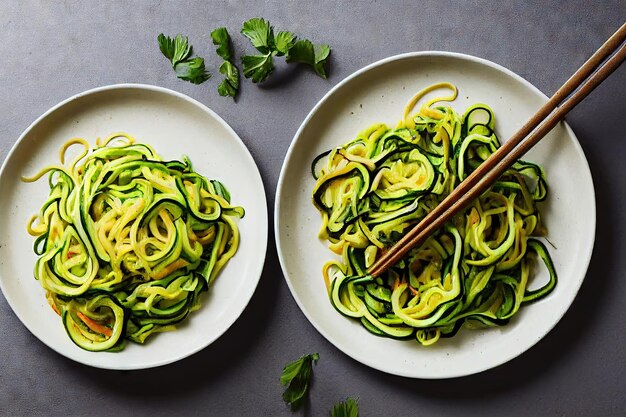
(175, 125)
(378, 93)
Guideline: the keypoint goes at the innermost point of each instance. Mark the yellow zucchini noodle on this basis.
(127, 242)
(375, 188)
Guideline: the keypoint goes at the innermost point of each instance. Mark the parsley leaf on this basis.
(260, 33)
(322, 53)
(304, 52)
(284, 41)
(192, 70)
(348, 409)
(221, 38)
(177, 50)
(229, 86)
(257, 67)
(296, 376)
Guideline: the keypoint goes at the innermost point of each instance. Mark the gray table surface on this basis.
(52, 50)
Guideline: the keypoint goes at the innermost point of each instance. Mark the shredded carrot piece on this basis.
(96, 327)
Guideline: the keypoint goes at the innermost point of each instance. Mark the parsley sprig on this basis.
(304, 52)
(230, 84)
(257, 67)
(350, 408)
(296, 377)
(178, 51)
(261, 34)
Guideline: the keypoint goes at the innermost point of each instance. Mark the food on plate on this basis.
(474, 271)
(127, 242)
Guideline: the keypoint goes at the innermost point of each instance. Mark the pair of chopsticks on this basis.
(588, 77)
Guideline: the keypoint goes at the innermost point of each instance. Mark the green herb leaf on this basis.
(317, 56)
(192, 70)
(260, 33)
(284, 42)
(230, 85)
(221, 38)
(348, 409)
(257, 67)
(176, 49)
(166, 45)
(302, 51)
(226, 90)
(322, 53)
(296, 376)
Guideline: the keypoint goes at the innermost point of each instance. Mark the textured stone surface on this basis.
(52, 50)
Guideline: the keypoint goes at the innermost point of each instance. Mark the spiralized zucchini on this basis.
(475, 270)
(127, 242)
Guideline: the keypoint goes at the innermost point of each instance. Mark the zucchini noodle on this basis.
(127, 242)
(475, 270)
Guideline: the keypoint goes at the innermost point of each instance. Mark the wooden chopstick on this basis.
(572, 92)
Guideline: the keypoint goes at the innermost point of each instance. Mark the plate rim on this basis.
(291, 150)
(264, 230)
